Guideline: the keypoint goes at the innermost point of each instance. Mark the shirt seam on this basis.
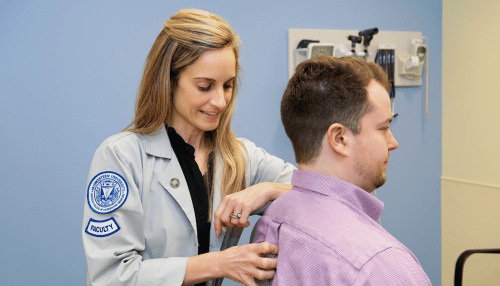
(367, 261)
(319, 241)
(327, 246)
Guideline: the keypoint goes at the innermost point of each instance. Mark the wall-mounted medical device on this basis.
(307, 49)
(343, 50)
(412, 64)
(385, 59)
(367, 36)
(405, 52)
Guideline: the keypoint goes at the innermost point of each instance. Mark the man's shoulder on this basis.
(393, 266)
(334, 223)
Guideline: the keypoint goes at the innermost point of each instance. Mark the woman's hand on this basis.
(239, 263)
(245, 202)
(244, 263)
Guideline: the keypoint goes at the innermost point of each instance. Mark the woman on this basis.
(154, 213)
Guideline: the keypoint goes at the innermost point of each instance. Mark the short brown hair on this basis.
(323, 91)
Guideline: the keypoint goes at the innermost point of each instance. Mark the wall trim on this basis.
(469, 182)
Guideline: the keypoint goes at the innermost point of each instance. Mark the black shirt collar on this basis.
(178, 143)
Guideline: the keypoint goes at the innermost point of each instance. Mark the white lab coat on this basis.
(157, 225)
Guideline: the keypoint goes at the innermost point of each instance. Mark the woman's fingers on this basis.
(232, 204)
(245, 213)
(217, 220)
(265, 274)
(236, 216)
(248, 281)
(226, 218)
(266, 248)
(243, 202)
(222, 215)
(267, 263)
(244, 263)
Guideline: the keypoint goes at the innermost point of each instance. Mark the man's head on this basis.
(345, 99)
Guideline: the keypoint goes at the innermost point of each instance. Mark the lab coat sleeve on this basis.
(264, 167)
(116, 259)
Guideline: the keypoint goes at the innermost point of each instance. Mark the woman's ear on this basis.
(338, 139)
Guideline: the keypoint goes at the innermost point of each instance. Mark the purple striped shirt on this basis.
(327, 234)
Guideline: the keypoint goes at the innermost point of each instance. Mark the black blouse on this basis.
(196, 184)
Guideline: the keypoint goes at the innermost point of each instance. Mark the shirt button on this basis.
(174, 183)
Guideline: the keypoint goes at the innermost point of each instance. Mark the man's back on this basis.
(327, 233)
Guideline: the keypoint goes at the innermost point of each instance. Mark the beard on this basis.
(371, 178)
(379, 180)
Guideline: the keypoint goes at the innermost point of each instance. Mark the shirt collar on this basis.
(339, 189)
(178, 144)
(157, 144)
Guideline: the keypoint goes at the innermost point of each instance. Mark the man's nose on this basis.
(392, 143)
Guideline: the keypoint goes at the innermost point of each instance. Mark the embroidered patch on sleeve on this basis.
(102, 228)
(107, 192)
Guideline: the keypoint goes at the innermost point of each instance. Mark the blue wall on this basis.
(69, 72)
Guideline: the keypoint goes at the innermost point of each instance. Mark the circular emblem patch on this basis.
(107, 192)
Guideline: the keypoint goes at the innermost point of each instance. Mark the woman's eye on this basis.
(204, 88)
(228, 86)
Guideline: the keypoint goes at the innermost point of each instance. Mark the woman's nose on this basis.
(218, 98)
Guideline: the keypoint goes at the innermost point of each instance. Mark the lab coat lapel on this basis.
(158, 144)
(181, 192)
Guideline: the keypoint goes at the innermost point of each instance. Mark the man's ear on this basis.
(338, 139)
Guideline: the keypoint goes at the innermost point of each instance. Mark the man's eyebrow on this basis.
(387, 121)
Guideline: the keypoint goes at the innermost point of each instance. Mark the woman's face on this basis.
(203, 91)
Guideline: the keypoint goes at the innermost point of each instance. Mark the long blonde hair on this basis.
(184, 38)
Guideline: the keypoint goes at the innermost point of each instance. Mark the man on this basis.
(336, 113)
